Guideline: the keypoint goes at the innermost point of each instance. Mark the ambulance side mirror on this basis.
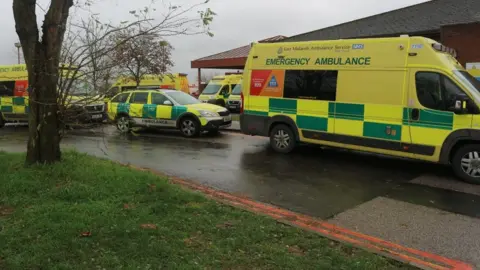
(460, 105)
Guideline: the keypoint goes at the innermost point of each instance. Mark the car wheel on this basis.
(466, 163)
(123, 124)
(282, 139)
(2, 121)
(189, 127)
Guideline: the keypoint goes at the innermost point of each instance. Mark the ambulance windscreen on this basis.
(468, 79)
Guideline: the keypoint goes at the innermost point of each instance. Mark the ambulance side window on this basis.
(139, 98)
(158, 99)
(436, 91)
(311, 84)
(6, 88)
(122, 98)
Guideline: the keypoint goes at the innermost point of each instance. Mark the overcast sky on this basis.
(238, 22)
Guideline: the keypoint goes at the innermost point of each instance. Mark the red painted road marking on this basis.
(412, 256)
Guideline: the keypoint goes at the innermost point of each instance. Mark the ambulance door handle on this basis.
(415, 114)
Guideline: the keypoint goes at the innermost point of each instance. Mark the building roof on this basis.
(422, 18)
(231, 59)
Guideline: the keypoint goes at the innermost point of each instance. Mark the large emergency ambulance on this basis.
(177, 81)
(219, 88)
(405, 97)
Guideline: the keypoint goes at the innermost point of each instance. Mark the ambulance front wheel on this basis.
(2, 121)
(282, 139)
(466, 163)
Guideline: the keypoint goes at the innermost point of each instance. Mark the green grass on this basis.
(140, 221)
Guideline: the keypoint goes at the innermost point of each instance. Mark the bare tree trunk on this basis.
(42, 60)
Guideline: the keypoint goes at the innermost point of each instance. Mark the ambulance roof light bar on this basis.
(441, 48)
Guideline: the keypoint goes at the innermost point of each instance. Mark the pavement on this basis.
(418, 205)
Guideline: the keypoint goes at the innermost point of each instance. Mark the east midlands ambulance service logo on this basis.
(358, 46)
(280, 50)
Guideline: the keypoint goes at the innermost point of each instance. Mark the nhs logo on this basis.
(358, 46)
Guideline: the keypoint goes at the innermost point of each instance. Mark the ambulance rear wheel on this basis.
(466, 163)
(282, 139)
(2, 122)
(189, 127)
(123, 123)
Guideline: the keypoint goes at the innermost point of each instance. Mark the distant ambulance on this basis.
(82, 105)
(406, 97)
(234, 101)
(178, 81)
(220, 88)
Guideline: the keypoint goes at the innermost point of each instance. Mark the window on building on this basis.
(311, 84)
(139, 98)
(122, 98)
(436, 91)
(6, 88)
(158, 99)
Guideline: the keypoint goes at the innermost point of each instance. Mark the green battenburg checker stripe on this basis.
(429, 119)
(288, 106)
(19, 101)
(123, 108)
(349, 111)
(258, 113)
(177, 111)
(149, 111)
(382, 131)
(8, 109)
(312, 123)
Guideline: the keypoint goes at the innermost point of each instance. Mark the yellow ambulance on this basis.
(166, 109)
(234, 100)
(82, 107)
(219, 88)
(404, 96)
(177, 81)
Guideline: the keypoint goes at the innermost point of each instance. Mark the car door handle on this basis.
(415, 114)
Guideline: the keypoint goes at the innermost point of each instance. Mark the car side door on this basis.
(118, 105)
(160, 108)
(138, 100)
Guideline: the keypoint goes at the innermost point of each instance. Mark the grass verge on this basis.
(87, 213)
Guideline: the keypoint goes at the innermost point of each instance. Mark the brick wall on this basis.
(465, 38)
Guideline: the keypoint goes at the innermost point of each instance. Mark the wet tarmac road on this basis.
(403, 201)
(312, 180)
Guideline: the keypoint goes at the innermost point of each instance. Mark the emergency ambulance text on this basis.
(326, 61)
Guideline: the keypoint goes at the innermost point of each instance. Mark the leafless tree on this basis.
(85, 58)
(146, 54)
